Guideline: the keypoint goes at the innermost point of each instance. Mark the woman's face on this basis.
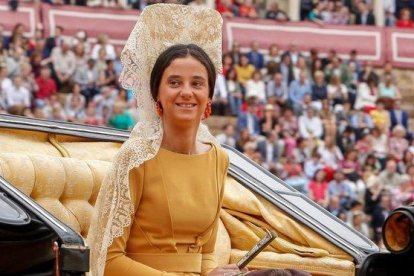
(184, 91)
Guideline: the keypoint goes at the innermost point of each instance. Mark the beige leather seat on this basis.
(63, 174)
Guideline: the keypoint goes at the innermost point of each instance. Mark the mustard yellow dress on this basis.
(177, 201)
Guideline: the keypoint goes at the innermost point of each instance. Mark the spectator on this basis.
(64, 64)
(76, 92)
(403, 195)
(316, 14)
(286, 69)
(380, 145)
(220, 98)
(331, 155)
(328, 119)
(342, 15)
(389, 10)
(91, 118)
(255, 87)
(299, 67)
(306, 7)
(368, 74)
(269, 120)
(120, 119)
(390, 178)
(398, 116)
(244, 70)
(235, 95)
(247, 9)
(5, 84)
(293, 174)
(406, 161)
(289, 122)
(87, 77)
(387, 89)
(364, 15)
(319, 89)
(244, 138)
(310, 126)
(359, 224)
(104, 101)
(293, 53)
(17, 96)
(275, 13)
(350, 166)
(108, 76)
(53, 41)
(318, 189)
(337, 92)
(297, 91)
(226, 8)
(227, 63)
(398, 144)
(334, 206)
(75, 108)
(47, 87)
(103, 43)
(227, 137)
(381, 116)
(28, 80)
(366, 97)
(277, 90)
(273, 55)
(270, 150)
(249, 120)
(255, 57)
(339, 187)
(405, 19)
(313, 164)
(235, 52)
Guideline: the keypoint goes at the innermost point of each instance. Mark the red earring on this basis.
(158, 108)
(207, 112)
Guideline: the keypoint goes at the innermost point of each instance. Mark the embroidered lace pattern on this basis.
(159, 26)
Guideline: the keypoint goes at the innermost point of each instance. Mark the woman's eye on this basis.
(197, 84)
(174, 83)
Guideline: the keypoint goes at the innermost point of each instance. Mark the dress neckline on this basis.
(190, 155)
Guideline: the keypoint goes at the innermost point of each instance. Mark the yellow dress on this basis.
(177, 200)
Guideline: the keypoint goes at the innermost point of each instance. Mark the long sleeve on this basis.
(117, 263)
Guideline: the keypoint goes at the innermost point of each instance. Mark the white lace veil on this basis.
(159, 26)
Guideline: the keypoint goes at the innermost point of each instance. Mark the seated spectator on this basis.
(403, 195)
(76, 92)
(312, 165)
(301, 66)
(286, 69)
(379, 141)
(339, 187)
(64, 64)
(227, 137)
(255, 57)
(103, 43)
(368, 74)
(46, 85)
(318, 189)
(289, 122)
(398, 116)
(390, 178)
(235, 95)
(350, 166)
(337, 91)
(220, 97)
(297, 91)
(342, 15)
(249, 120)
(359, 224)
(302, 149)
(327, 13)
(331, 155)
(346, 141)
(104, 101)
(269, 120)
(275, 13)
(328, 119)
(227, 63)
(17, 96)
(121, 119)
(244, 70)
(364, 15)
(75, 109)
(277, 90)
(310, 125)
(273, 55)
(108, 76)
(406, 161)
(255, 87)
(293, 174)
(398, 144)
(364, 145)
(379, 215)
(315, 15)
(57, 113)
(87, 76)
(53, 41)
(270, 149)
(388, 92)
(366, 97)
(28, 80)
(405, 19)
(91, 118)
(226, 8)
(244, 138)
(319, 89)
(381, 116)
(247, 9)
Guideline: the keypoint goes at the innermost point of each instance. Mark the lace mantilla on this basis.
(159, 26)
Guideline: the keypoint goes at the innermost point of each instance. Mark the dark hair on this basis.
(181, 51)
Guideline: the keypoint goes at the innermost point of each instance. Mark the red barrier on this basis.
(117, 24)
(376, 44)
(27, 14)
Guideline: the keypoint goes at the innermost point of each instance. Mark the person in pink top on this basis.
(318, 189)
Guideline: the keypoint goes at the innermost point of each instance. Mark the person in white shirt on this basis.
(64, 62)
(330, 153)
(103, 42)
(227, 137)
(220, 102)
(255, 87)
(17, 95)
(5, 84)
(310, 126)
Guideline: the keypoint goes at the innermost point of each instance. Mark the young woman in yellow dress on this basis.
(158, 209)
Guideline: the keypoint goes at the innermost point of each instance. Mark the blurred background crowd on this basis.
(332, 128)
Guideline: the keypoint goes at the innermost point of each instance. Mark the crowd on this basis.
(340, 12)
(334, 129)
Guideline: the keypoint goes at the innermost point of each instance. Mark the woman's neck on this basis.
(180, 140)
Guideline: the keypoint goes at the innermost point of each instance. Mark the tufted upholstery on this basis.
(66, 187)
(64, 173)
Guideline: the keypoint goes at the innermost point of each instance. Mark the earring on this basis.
(207, 112)
(158, 108)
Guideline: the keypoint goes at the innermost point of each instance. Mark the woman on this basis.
(174, 86)
(397, 143)
(255, 87)
(234, 92)
(318, 189)
(337, 91)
